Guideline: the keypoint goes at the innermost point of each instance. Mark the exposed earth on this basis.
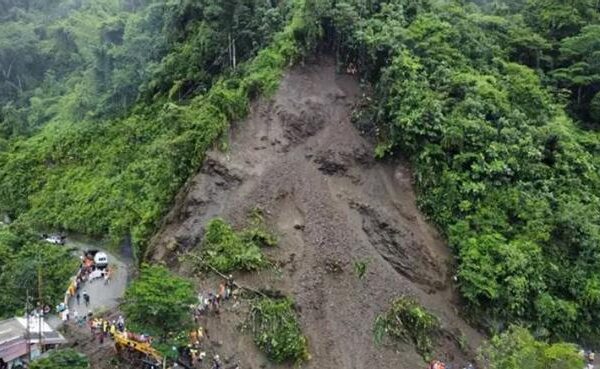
(299, 159)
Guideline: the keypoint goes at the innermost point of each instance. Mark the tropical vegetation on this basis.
(158, 303)
(62, 359)
(276, 330)
(108, 106)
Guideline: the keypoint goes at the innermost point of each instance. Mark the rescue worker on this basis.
(113, 329)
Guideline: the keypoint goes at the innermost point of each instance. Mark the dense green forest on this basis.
(30, 269)
(121, 127)
(108, 106)
(495, 108)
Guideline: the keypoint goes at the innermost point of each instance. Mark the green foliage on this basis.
(517, 349)
(360, 268)
(158, 303)
(21, 259)
(503, 171)
(257, 232)
(90, 174)
(62, 359)
(408, 321)
(226, 250)
(595, 108)
(276, 330)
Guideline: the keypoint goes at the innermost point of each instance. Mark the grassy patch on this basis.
(360, 268)
(228, 250)
(257, 232)
(276, 330)
(408, 321)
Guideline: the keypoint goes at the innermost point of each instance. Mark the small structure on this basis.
(18, 345)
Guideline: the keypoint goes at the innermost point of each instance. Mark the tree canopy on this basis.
(158, 303)
(517, 349)
(24, 262)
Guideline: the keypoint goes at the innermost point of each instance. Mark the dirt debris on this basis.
(299, 158)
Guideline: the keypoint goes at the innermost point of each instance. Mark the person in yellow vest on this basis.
(113, 329)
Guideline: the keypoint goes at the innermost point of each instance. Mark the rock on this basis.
(172, 246)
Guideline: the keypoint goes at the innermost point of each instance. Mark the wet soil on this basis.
(299, 159)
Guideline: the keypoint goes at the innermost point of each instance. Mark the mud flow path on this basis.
(299, 159)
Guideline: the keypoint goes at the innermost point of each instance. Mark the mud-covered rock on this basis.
(298, 127)
(331, 163)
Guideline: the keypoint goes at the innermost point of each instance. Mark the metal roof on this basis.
(13, 340)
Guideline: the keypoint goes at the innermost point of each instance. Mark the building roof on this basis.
(10, 330)
(13, 336)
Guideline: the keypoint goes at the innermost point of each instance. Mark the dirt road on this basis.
(299, 159)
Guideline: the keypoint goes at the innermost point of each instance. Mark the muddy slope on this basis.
(299, 158)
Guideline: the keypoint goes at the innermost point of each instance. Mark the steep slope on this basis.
(299, 159)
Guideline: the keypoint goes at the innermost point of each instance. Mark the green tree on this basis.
(158, 303)
(517, 349)
(62, 359)
(580, 56)
(54, 265)
(595, 108)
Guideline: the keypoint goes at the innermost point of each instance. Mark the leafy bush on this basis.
(408, 321)
(62, 359)
(276, 330)
(226, 250)
(157, 303)
(517, 349)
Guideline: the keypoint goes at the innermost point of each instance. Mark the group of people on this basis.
(436, 364)
(86, 298)
(102, 328)
(88, 272)
(589, 357)
(211, 301)
(216, 362)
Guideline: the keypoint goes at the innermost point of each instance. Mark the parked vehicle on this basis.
(54, 239)
(101, 260)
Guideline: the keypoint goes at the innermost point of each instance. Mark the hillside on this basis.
(299, 159)
(420, 172)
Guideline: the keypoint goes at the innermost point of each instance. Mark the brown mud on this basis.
(299, 159)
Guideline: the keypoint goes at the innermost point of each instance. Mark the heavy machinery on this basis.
(137, 351)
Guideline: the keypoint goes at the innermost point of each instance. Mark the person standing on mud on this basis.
(217, 362)
(93, 329)
(86, 298)
(78, 298)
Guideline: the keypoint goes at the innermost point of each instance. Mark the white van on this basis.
(101, 259)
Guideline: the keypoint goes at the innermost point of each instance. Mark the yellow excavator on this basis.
(136, 350)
